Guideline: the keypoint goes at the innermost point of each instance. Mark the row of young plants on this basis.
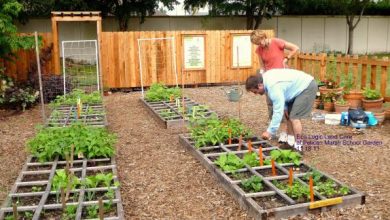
(78, 142)
(73, 98)
(214, 131)
(88, 142)
(77, 106)
(159, 92)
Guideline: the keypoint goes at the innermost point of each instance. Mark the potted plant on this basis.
(341, 106)
(380, 116)
(328, 101)
(372, 100)
(317, 101)
(352, 95)
(387, 114)
(330, 86)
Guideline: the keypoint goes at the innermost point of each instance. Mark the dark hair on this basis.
(253, 81)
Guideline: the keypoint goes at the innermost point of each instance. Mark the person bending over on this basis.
(292, 93)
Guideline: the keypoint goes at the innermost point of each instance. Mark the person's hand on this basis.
(285, 63)
(266, 135)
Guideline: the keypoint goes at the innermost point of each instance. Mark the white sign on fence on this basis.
(194, 52)
(244, 45)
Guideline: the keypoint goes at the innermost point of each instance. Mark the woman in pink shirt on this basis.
(271, 56)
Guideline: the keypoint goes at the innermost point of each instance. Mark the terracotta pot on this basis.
(316, 103)
(387, 114)
(341, 108)
(324, 90)
(354, 98)
(380, 116)
(373, 105)
(329, 106)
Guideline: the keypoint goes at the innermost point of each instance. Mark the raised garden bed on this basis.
(170, 115)
(37, 198)
(91, 114)
(263, 194)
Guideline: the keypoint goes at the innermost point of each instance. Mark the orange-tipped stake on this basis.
(250, 146)
(273, 167)
(78, 110)
(239, 142)
(311, 189)
(171, 98)
(261, 156)
(230, 136)
(290, 177)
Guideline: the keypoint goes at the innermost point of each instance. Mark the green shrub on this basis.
(159, 92)
(90, 142)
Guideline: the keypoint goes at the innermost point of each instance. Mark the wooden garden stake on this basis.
(240, 142)
(68, 186)
(311, 189)
(230, 136)
(67, 163)
(78, 108)
(15, 210)
(290, 177)
(63, 200)
(250, 146)
(171, 98)
(273, 167)
(71, 155)
(239, 110)
(101, 209)
(261, 156)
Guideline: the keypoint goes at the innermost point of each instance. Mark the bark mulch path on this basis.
(159, 179)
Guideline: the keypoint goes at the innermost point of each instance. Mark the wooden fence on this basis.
(121, 66)
(365, 72)
(19, 68)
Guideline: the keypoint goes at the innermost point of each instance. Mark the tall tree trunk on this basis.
(350, 39)
(123, 23)
(249, 22)
(259, 20)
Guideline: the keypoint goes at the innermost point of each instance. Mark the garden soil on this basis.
(160, 179)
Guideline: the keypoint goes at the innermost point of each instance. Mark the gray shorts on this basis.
(301, 106)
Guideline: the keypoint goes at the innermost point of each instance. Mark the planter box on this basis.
(271, 202)
(91, 114)
(168, 114)
(33, 190)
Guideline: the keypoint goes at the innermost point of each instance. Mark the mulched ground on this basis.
(159, 179)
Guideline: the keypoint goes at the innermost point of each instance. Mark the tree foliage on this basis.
(9, 40)
(124, 9)
(255, 10)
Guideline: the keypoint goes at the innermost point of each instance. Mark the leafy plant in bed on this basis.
(89, 142)
(230, 162)
(212, 130)
(297, 191)
(159, 92)
(72, 98)
(252, 185)
(284, 156)
(325, 186)
(64, 181)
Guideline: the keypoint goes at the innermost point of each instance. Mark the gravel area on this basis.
(159, 179)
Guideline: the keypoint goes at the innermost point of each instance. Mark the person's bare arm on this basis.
(262, 68)
(293, 49)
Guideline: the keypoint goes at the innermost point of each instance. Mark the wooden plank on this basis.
(364, 73)
(383, 80)
(355, 71)
(373, 77)
(56, 55)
